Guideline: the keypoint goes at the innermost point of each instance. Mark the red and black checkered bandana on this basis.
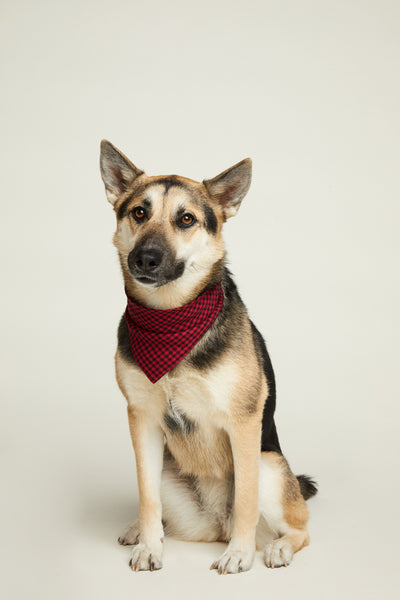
(160, 339)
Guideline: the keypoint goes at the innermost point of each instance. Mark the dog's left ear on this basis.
(117, 171)
(230, 187)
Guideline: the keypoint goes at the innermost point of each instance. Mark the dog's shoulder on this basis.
(225, 331)
(124, 346)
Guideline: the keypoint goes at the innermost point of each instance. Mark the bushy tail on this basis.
(308, 486)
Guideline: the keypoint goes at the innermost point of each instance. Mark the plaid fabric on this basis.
(160, 339)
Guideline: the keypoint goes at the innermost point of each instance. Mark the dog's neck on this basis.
(174, 294)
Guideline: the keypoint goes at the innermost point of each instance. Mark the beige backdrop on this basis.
(310, 90)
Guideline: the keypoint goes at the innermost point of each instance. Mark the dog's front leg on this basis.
(148, 443)
(245, 442)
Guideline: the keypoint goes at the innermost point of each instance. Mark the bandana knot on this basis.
(160, 339)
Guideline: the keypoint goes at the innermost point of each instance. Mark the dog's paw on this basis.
(131, 535)
(234, 561)
(278, 554)
(145, 558)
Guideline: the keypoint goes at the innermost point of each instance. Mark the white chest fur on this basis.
(203, 397)
(192, 408)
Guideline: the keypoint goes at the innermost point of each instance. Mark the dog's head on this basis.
(169, 228)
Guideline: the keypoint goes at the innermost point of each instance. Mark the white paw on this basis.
(278, 554)
(130, 535)
(234, 561)
(145, 558)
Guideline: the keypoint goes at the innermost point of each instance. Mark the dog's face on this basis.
(169, 228)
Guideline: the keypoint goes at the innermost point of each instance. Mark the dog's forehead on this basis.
(171, 191)
(158, 194)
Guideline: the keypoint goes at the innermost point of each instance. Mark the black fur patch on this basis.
(171, 423)
(124, 345)
(123, 209)
(178, 422)
(146, 203)
(211, 222)
(168, 182)
(269, 436)
(308, 486)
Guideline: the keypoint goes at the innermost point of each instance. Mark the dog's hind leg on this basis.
(191, 510)
(283, 508)
(188, 510)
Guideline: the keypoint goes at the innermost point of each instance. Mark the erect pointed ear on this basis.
(230, 187)
(117, 171)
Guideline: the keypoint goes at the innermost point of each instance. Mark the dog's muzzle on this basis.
(152, 265)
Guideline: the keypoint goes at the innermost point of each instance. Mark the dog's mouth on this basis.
(145, 280)
(160, 277)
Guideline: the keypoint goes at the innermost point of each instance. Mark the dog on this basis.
(197, 376)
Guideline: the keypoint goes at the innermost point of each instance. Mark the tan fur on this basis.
(201, 457)
(292, 534)
(149, 510)
(245, 445)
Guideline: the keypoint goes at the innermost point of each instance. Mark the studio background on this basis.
(310, 91)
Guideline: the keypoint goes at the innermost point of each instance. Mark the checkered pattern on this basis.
(160, 339)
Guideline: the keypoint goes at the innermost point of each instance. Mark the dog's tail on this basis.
(308, 486)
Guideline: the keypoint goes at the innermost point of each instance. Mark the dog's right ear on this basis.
(117, 171)
(230, 187)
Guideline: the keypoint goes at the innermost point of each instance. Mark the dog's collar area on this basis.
(160, 339)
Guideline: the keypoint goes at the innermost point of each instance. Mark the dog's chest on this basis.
(195, 419)
(199, 398)
(193, 408)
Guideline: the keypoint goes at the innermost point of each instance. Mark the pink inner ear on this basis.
(226, 197)
(118, 177)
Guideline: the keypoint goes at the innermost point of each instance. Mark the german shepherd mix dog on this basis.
(197, 376)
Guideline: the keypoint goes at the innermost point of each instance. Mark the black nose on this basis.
(148, 260)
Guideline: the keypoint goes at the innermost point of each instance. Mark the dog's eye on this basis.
(139, 213)
(186, 220)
